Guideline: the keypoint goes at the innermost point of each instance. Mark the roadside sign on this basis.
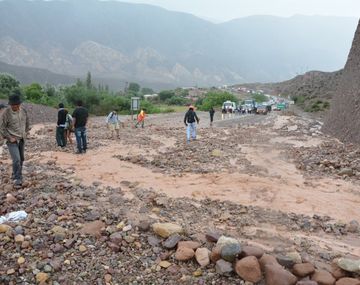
(135, 106)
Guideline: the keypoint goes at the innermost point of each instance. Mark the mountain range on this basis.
(136, 42)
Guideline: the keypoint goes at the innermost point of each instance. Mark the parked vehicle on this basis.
(229, 106)
(250, 106)
(262, 109)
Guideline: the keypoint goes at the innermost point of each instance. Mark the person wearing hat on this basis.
(189, 121)
(14, 126)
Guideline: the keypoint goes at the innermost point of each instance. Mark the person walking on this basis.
(141, 118)
(113, 123)
(60, 126)
(189, 121)
(211, 112)
(14, 126)
(80, 118)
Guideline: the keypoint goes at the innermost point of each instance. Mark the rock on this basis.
(303, 269)
(189, 244)
(213, 236)
(336, 271)
(107, 278)
(93, 228)
(229, 252)
(21, 260)
(47, 268)
(248, 250)
(165, 264)
(82, 248)
(166, 229)
(19, 230)
(307, 282)
(323, 277)
(172, 241)
(223, 267)
(348, 281)
(184, 253)
(267, 259)
(248, 269)
(353, 227)
(10, 271)
(127, 228)
(346, 171)
(215, 254)
(153, 241)
(295, 257)
(202, 256)
(41, 277)
(349, 265)
(223, 240)
(10, 199)
(276, 275)
(116, 238)
(19, 238)
(197, 273)
(4, 228)
(216, 153)
(144, 226)
(129, 239)
(285, 261)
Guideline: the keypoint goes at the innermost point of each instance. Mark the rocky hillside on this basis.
(344, 118)
(154, 46)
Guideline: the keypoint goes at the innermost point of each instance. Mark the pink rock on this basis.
(248, 269)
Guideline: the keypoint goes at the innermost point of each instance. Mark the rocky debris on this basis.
(94, 234)
(329, 159)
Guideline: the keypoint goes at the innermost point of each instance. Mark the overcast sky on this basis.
(223, 10)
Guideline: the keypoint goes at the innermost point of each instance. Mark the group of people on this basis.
(67, 124)
(113, 122)
(14, 128)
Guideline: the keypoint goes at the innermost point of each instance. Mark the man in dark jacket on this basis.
(189, 121)
(14, 126)
(211, 112)
(80, 117)
(60, 126)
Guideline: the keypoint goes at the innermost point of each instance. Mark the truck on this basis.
(229, 106)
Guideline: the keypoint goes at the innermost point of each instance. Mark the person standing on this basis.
(189, 121)
(69, 127)
(80, 118)
(141, 118)
(113, 123)
(211, 112)
(60, 126)
(14, 126)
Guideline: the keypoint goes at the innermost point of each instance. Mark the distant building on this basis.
(150, 96)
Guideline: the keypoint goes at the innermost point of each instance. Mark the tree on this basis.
(134, 87)
(88, 80)
(216, 99)
(166, 94)
(146, 90)
(34, 92)
(8, 83)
